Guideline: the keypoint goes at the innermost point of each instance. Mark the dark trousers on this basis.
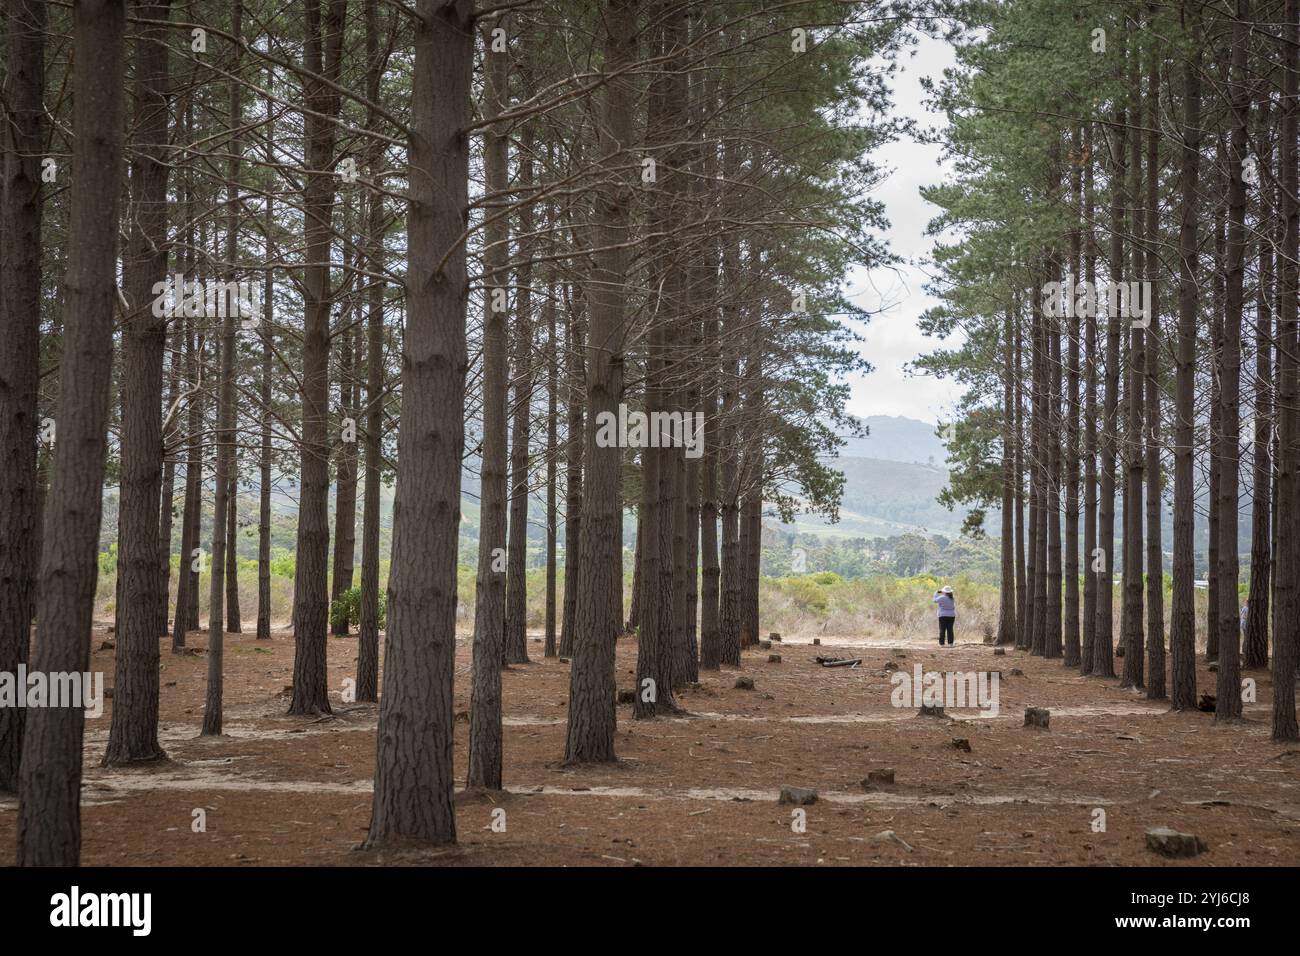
(945, 628)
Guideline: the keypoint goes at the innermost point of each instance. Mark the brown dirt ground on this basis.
(703, 789)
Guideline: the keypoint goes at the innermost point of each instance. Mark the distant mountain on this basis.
(883, 498)
(894, 438)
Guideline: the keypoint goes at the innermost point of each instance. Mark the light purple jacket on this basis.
(947, 605)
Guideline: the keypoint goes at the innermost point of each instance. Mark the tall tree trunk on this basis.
(322, 56)
(1132, 636)
(552, 465)
(167, 507)
(1007, 565)
(23, 138)
(1287, 611)
(264, 460)
(49, 784)
(575, 377)
(133, 734)
(1255, 637)
(1228, 706)
(598, 612)
(345, 487)
(1155, 643)
(1091, 577)
(414, 782)
(1024, 556)
(729, 464)
(515, 650)
(1182, 610)
(1071, 428)
(234, 622)
(367, 687)
(1103, 645)
(489, 587)
(213, 707)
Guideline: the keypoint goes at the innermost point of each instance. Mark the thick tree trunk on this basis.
(414, 782)
(1228, 707)
(133, 734)
(49, 786)
(23, 138)
(1287, 612)
(597, 616)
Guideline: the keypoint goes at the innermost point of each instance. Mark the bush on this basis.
(347, 609)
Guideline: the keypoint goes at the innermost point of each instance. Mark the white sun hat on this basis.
(947, 589)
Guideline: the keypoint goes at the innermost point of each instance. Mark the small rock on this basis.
(961, 743)
(774, 636)
(107, 646)
(1213, 667)
(884, 777)
(890, 666)
(1119, 650)
(774, 658)
(1208, 704)
(999, 652)
(462, 716)
(626, 696)
(744, 683)
(108, 693)
(817, 640)
(928, 710)
(799, 796)
(1016, 672)
(1171, 843)
(564, 660)
(764, 645)
(1037, 717)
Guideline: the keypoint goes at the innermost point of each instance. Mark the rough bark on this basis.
(133, 732)
(414, 782)
(49, 785)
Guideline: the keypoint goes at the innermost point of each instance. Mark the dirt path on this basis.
(702, 789)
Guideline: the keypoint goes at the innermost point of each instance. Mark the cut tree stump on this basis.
(1037, 717)
(798, 796)
(1171, 843)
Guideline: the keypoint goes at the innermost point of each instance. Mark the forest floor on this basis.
(702, 789)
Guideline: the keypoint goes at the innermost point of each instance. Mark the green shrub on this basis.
(347, 609)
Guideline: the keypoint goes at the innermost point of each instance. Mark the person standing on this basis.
(947, 613)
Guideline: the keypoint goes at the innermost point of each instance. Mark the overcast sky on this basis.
(892, 337)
